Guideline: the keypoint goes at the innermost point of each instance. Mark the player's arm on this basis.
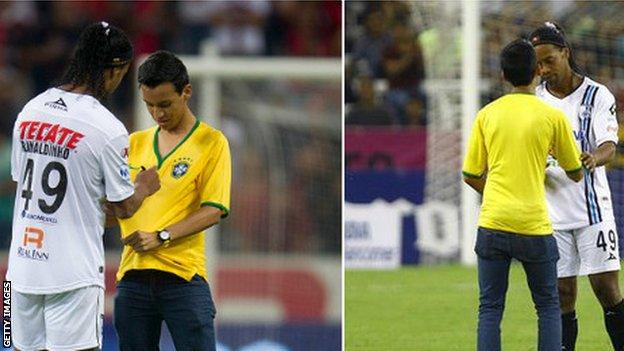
(475, 161)
(565, 149)
(605, 130)
(124, 198)
(145, 184)
(604, 154)
(196, 222)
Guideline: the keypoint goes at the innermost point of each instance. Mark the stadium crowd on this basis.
(384, 66)
(386, 43)
(35, 40)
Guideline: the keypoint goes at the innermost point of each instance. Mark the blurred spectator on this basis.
(415, 112)
(370, 46)
(385, 47)
(43, 48)
(395, 12)
(349, 92)
(404, 69)
(317, 206)
(313, 28)
(238, 26)
(250, 195)
(194, 17)
(367, 111)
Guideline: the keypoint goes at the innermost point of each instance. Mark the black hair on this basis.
(163, 67)
(518, 62)
(99, 47)
(552, 33)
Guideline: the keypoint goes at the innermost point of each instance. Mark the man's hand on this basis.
(589, 161)
(142, 241)
(149, 180)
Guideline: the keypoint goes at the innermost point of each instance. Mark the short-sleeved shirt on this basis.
(69, 153)
(592, 113)
(196, 173)
(511, 139)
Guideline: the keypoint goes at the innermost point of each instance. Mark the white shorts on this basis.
(588, 250)
(70, 320)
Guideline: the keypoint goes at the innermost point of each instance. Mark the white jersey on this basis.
(591, 112)
(69, 153)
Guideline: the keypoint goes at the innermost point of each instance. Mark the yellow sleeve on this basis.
(216, 178)
(564, 147)
(475, 161)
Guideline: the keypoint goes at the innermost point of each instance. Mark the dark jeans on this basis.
(146, 298)
(538, 255)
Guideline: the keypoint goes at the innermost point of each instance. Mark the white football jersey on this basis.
(69, 153)
(591, 112)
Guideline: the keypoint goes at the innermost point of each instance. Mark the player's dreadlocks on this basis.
(99, 47)
(552, 33)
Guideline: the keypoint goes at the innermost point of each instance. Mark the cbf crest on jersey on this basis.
(180, 167)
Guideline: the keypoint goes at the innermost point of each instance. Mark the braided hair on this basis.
(99, 47)
(552, 33)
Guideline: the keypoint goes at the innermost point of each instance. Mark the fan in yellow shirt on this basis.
(162, 274)
(195, 184)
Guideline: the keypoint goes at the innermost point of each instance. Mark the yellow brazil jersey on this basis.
(510, 140)
(197, 172)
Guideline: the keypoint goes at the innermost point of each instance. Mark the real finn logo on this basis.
(180, 169)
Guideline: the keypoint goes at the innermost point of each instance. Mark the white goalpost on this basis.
(470, 105)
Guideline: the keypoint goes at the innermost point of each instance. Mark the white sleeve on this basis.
(605, 125)
(114, 162)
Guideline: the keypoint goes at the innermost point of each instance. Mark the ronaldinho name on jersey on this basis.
(48, 139)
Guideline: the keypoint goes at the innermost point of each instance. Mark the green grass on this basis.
(435, 308)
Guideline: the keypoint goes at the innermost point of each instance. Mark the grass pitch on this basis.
(435, 309)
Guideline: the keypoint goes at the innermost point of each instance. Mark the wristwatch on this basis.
(164, 237)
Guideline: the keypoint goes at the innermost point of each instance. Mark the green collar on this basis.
(161, 159)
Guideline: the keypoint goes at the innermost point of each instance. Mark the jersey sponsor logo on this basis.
(181, 166)
(33, 235)
(584, 120)
(32, 245)
(39, 218)
(48, 139)
(578, 135)
(124, 172)
(57, 105)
